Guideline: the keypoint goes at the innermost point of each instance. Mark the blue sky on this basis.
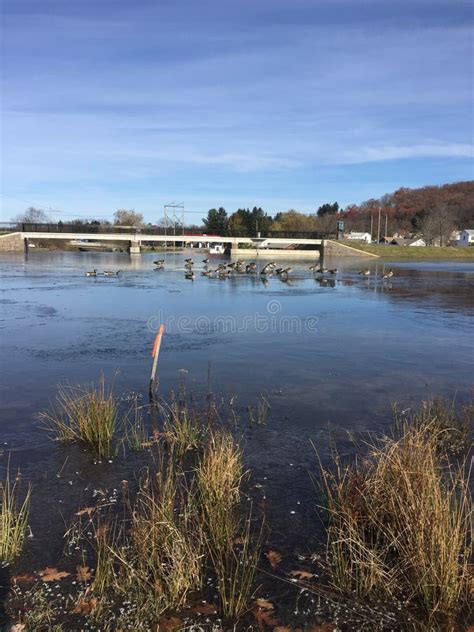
(281, 104)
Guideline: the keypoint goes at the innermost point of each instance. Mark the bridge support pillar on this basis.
(134, 248)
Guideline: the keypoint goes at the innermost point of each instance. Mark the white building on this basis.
(466, 238)
(217, 249)
(365, 237)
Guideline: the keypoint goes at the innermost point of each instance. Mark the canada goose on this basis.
(321, 270)
(188, 260)
(111, 273)
(314, 267)
(93, 273)
(333, 271)
(267, 269)
(159, 266)
(278, 270)
(365, 272)
(159, 262)
(189, 275)
(189, 265)
(389, 275)
(206, 261)
(206, 273)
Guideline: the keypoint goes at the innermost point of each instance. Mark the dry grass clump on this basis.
(13, 518)
(154, 559)
(451, 427)
(84, 414)
(233, 552)
(399, 525)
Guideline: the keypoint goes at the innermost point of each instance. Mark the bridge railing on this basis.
(134, 231)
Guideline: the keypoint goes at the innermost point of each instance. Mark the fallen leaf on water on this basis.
(274, 558)
(82, 573)
(86, 510)
(265, 618)
(52, 574)
(302, 574)
(85, 606)
(204, 608)
(23, 579)
(264, 604)
(168, 624)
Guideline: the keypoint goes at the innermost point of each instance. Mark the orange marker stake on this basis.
(155, 353)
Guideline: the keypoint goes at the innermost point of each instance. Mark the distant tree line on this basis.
(432, 212)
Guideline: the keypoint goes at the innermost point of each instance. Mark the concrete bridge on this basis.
(285, 244)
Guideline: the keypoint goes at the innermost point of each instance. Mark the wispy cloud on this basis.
(219, 99)
(377, 154)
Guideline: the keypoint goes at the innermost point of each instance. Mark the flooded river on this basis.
(329, 356)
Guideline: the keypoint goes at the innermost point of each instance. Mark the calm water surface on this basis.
(328, 357)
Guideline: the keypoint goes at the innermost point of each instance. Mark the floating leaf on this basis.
(274, 558)
(265, 618)
(82, 573)
(52, 574)
(85, 606)
(169, 624)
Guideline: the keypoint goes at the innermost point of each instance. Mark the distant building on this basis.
(466, 238)
(365, 237)
(416, 241)
(217, 249)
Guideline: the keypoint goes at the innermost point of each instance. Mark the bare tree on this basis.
(437, 225)
(127, 217)
(32, 215)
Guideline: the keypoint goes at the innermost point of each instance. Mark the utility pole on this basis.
(386, 227)
(174, 213)
(378, 228)
(371, 226)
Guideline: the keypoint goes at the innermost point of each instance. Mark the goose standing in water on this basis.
(365, 272)
(92, 273)
(334, 271)
(268, 268)
(389, 275)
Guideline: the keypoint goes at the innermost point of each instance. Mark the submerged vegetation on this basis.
(186, 538)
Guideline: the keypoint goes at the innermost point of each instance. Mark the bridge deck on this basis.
(143, 236)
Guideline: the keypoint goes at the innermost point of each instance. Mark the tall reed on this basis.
(399, 524)
(13, 518)
(84, 414)
(233, 551)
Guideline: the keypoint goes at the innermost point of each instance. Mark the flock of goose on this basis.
(225, 270)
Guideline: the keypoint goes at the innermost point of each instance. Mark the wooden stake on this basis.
(155, 353)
